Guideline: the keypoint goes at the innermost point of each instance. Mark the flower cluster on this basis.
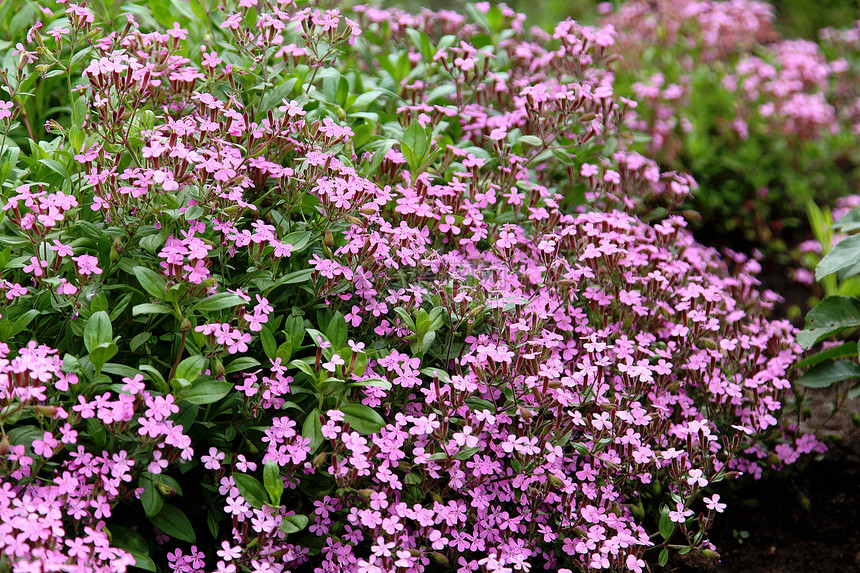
(365, 291)
(735, 86)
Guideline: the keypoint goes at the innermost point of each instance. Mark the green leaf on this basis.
(401, 312)
(101, 354)
(151, 281)
(56, 167)
(272, 481)
(531, 140)
(427, 341)
(190, 368)
(845, 350)
(467, 453)
(336, 332)
(241, 364)
(293, 523)
(251, 489)
(171, 521)
(143, 561)
(153, 374)
(219, 301)
(667, 526)
(302, 364)
(295, 277)
(443, 376)
(152, 242)
(23, 321)
(165, 484)
(845, 254)
(150, 497)
(205, 391)
(376, 382)
(832, 314)
(312, 429)
(294, 329)
(664, 557)
(824, 375)
(97, 331)
(120, 370)
(363, 100)
(284, 352)
(267, 339)
(139, 340)
(149, 308)
(416, 140)
(363, 419)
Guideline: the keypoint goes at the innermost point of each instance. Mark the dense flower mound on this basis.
(762, 122)
(361, 292)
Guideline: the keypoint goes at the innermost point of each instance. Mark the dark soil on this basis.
(806, 522)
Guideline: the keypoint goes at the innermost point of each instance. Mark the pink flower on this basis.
(332, 365)
(45, 446)
(680, 514)
(35, 267)
(133, 385)
(229, 552)
(87, 265)
(213, 460)
(5, 109)
(713, 503)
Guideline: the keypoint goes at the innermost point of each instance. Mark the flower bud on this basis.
(49, 411)
(365, 493)
(4, 445)
(185, 326)
(710, 554)
(439, 558)
(319, 459)
(692, 216)
(329, 239)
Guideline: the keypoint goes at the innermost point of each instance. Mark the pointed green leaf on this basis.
(267, 339)
(219, 301)
(363, 419)
(832, 314)
(97, 331)
(666, 526)
(190, 368)
(251, 489)
(845, 254)
(293, 523)
(272, 482)
(824, 375)
(205, 391)
(337, 330)
(150, 497)
(149, 308)
(846, 350)
(171, 521)
(312, 429)
(151, 281)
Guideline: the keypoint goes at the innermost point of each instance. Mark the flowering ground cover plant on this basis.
(765, 124)
(286, 287)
